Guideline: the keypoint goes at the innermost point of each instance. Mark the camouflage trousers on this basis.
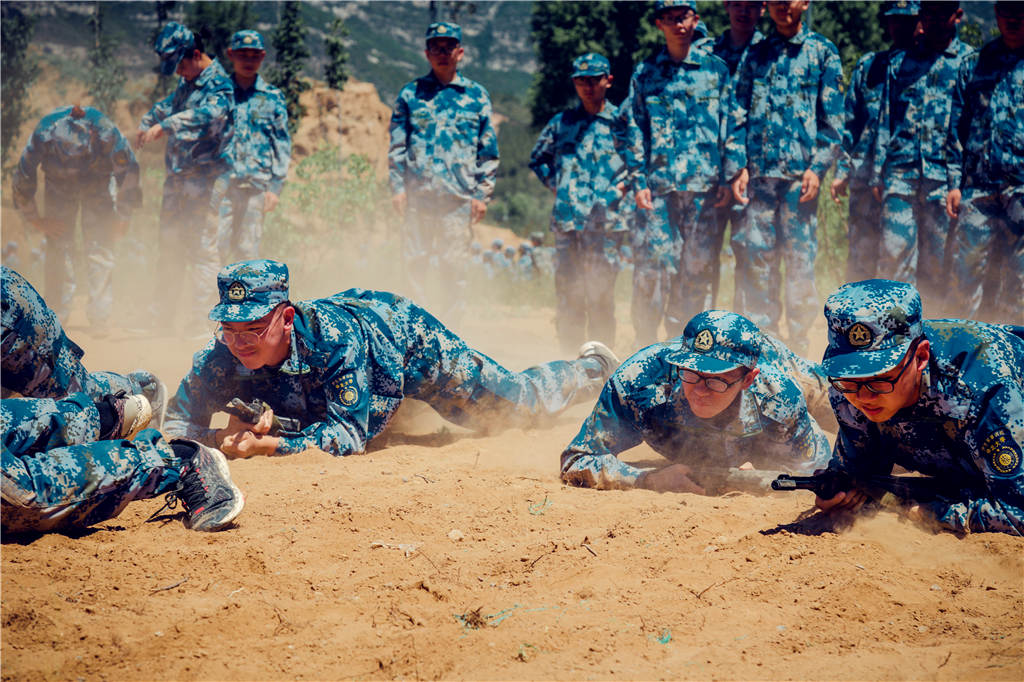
(865, 234)
(40, 361)
(986, 253)
(188, 237)
(435, 249)
(63, 204)
(724, 215)
(239, 215)
(914, 231)
(586, 265)
(57, 476)
(672, 263)
(470, 389)
(777, 229)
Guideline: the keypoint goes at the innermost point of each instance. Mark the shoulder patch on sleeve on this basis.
(1001, 451)
(346, 390)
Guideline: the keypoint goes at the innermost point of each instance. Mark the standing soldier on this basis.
(786, 128)
(88, 165)
(196, 118)
(673, 152)
(911, 160)
(575, 158)
(732, 48)
(854, 168)
(260, 151)
(443, 161)
(986, 175)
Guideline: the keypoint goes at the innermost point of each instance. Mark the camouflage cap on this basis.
(717, 341)
(497, 244)
(590, 64)
(444, 29)
(246, 40)
(871, 325)
(537, 237)
(249, 290)
(663, 5)
(171, 46)
(905, 8)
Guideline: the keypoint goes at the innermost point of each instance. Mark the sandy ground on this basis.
(440, 554)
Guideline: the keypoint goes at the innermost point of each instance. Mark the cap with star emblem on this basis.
(664, 5)
(249, 290)
(871, 325)
(444, 29)
(590, 64)
(246, 40)
(717, 341)
(905, 8)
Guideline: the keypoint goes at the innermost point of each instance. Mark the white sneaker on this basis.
(603, 354)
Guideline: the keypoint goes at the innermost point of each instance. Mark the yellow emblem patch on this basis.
(1001, 451)
(859, 335)
(346, 390)
(704, 341)
(442, 29)
(236, 292)
(248, 39)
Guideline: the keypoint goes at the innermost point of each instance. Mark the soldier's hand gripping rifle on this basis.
(881, 488)
(251, 413)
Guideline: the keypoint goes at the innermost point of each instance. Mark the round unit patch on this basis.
(236, 292)
(1005, 460)
(704, 340)
(859, 335)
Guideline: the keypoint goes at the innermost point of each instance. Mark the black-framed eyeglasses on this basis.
(876, 386)
(229, 338)
(714, 384)
(671, 18)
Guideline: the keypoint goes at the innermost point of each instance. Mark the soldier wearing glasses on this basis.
(722, 395)
(941, 397)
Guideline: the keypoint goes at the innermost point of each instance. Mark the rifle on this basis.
(251, 413)
(881, 488)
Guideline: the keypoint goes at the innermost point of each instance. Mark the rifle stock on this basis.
(251, 413)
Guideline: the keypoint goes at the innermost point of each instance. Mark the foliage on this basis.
(520, 202)
(854, 27)
(20, 71)
(216, 22)
(291, 54)
(163, 83)
(336, 69)
(973, 33)
(106, 77)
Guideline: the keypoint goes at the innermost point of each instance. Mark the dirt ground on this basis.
(441, 554)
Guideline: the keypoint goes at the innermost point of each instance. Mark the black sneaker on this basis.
(603, 354)
(211, 499)
(123, 416)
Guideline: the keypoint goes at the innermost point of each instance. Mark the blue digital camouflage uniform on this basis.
(967, 426)
(443, 154)
(910, 164)
(88, 165)
(260, 152)
(353, 358)
(855, 164)
(544, 255)
(732, 55)
(196, 118)
(986, 162)
(575, 157)
(768, 425)
(787, 120)
(40, 361)
(57, 476)
(674, 147)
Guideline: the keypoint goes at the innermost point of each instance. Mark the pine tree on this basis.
(291, 53)
(335, 71)
(20, 71)
(106, 78)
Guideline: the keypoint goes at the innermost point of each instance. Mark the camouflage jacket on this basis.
(986, 135)
(863, 105)
(196, 117)
(576, 157)
(77, 154)
(443, 139)
(643, 402)
(788, 111)
(966, 428)
(261, 147)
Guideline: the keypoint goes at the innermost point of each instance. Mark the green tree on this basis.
(291, 54)
(854, 27)
(217, 21)
(106, 77)
(336, 71)
(20, 71)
